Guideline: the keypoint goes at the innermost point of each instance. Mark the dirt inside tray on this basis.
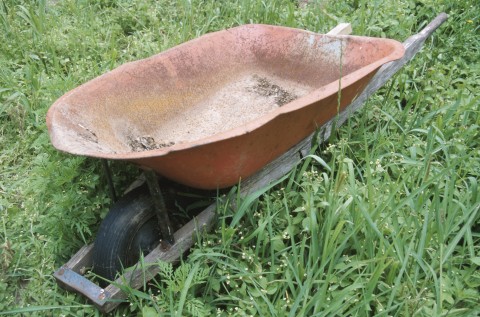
(264, 87)
(233, 105)
(146, 143)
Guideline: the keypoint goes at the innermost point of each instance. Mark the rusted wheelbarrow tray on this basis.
(215, 110)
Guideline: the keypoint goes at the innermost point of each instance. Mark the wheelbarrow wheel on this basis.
(129, 229)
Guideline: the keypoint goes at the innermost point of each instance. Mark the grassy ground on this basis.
(388, 226)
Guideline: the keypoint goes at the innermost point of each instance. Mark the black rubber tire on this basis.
(129, 228)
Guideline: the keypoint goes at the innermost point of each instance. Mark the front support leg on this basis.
(160, 207)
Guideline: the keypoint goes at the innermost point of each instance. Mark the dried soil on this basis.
(235, 104)
(265, 88)
(146, 143)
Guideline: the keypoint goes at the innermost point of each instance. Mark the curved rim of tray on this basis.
(314, 96)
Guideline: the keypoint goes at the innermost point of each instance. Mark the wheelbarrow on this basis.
(207, 114)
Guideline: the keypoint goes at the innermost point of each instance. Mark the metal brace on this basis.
(160, 207)
(108, 174)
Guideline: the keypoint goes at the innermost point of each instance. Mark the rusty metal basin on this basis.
(218, 108)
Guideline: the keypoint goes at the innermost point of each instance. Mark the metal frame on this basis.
(160, 208)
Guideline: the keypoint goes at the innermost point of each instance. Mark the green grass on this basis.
(386, 223)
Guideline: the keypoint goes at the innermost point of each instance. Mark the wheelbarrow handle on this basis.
(341, 29)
